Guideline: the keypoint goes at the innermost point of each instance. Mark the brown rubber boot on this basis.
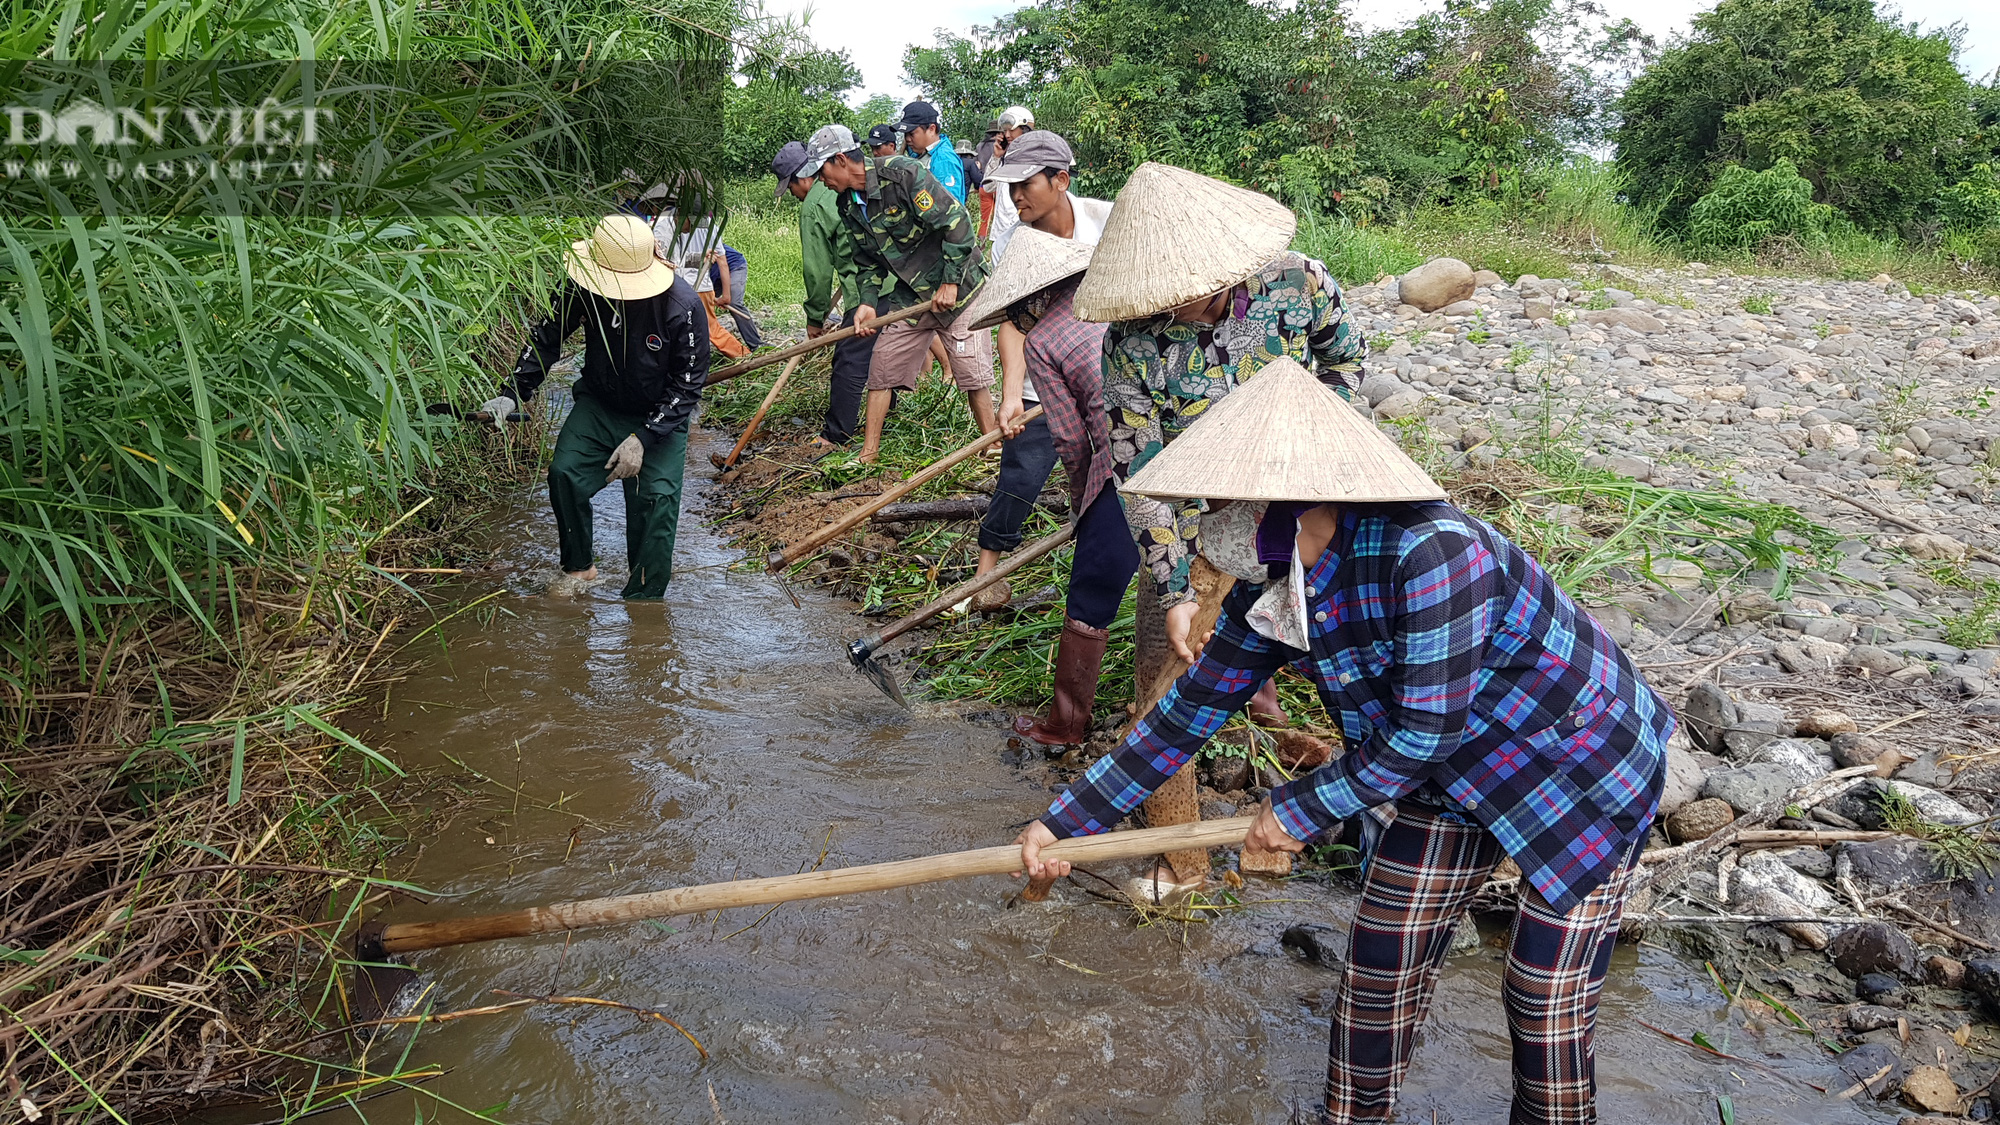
(1079, 658)
(1264, 708)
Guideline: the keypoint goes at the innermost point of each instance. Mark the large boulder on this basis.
(1437, 283)
(1747, 788)
(1707, 713)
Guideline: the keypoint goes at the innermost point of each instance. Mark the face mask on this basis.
(1229, 539)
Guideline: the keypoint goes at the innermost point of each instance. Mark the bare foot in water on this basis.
(573, 583)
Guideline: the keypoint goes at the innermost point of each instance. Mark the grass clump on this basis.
(1956, 851)
(1979, 625)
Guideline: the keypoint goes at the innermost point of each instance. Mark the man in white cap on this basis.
(1012, 124)
(645, 358)
(907, 241)
(1195, 277)
(1478, 701)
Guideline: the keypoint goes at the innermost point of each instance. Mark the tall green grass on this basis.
(182, 395)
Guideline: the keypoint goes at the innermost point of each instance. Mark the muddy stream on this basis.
(722, 734)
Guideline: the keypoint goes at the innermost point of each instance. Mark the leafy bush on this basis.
(1972, 204)
(1748, 208)
(1872, 111)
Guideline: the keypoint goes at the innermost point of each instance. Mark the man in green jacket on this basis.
(819, 230)
(907, 241)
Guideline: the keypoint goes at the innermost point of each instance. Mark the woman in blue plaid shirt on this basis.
(1478, 702)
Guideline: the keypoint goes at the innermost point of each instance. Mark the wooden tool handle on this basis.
(757, 419)
(848, 522)
(827, 339)
(406, 937)
(972, 586)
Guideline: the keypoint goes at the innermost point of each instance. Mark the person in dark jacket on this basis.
(645, 360)
(1485, 715)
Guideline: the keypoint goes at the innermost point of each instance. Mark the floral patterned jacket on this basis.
(1161, 374)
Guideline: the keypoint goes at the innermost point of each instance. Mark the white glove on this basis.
(626, 459)
(497, 409)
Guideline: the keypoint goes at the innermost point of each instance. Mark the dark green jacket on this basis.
(820, 232)
(906, 236)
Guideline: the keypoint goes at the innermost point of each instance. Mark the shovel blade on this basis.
(377, 979)
(882, 678)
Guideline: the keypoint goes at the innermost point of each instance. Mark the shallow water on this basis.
(722, 734)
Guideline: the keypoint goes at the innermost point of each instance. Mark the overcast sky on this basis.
(876, 44)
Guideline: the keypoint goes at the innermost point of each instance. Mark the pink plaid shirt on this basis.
(1066, 361)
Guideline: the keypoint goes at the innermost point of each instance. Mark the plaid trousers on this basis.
(1426, 868)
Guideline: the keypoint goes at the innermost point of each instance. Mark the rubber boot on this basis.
(1079, 658)
(1264, 708)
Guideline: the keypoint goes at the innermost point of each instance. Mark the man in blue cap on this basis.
(926, 140)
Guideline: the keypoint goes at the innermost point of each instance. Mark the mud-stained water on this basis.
(722, 734)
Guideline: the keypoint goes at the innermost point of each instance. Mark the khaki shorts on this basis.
(902, 352)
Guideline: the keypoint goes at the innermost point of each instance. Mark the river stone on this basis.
(1885, 865)
(1883, 989)
(1875, 659)
(1858, 750)
(1761, 869)
(1753, 714)
(1228, 773)
(1683, 781)
(1459, 308)
(1699, 820)
(1874, 947)
(1378, 387)
(1437, 283)
(1982, 977)
(1870, 1017)
(1806, 861)
(1538, 308)
(1747, 788)
(1320, 944)
(1738, 743)
(1634, 319)
(1806, 758)
(1934, 805)
(1487, 279)
(1944, 972)
(1402, 404)
(1931, 1088)
(1708, 712)
(1864, 1062)
(1825, 722)
(1923, 546)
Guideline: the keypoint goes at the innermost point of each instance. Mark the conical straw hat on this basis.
(1034, 261)
(1284, 436)
(1174, 236)
(617, 260)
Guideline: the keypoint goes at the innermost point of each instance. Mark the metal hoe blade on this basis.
(377, 979)
(862, 655)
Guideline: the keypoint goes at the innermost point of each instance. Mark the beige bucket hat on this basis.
(1034, 261)
(1283, 435)
(617, 260)
(1176, 235)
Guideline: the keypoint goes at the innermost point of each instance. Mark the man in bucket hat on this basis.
(1201, 292)
(1479, 703)
(819, 234)
(907, 241)
(645, 358)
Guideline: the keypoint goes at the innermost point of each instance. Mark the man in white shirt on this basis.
(1013, 123)
(1034, 177)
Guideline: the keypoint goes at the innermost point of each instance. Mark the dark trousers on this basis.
(1025, 465)
(851, 358)
(1429, 864)
(652, 499)
(1104, 563)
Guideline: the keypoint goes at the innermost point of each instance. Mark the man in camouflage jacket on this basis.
(907, 241)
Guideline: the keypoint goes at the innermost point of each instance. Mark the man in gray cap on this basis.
(907, 241)
(819, 231)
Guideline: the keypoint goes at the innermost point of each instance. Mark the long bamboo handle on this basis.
(758, 362)
(405, 937)
(966, 589)
(757, 419)
(847, 522)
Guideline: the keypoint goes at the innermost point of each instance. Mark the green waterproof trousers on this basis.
(652, 499)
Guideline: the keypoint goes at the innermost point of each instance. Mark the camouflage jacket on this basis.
(906, 235)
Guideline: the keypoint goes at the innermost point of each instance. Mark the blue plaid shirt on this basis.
(1455, 665)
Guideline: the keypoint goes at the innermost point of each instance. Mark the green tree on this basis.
(1872, 112)
(790, 88)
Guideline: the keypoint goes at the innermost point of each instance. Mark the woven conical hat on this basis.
(1034, 261)
(1174, 236)
(1282, 435)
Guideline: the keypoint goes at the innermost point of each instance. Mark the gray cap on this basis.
(1029, 154)
(786, 165)
(830, 141)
